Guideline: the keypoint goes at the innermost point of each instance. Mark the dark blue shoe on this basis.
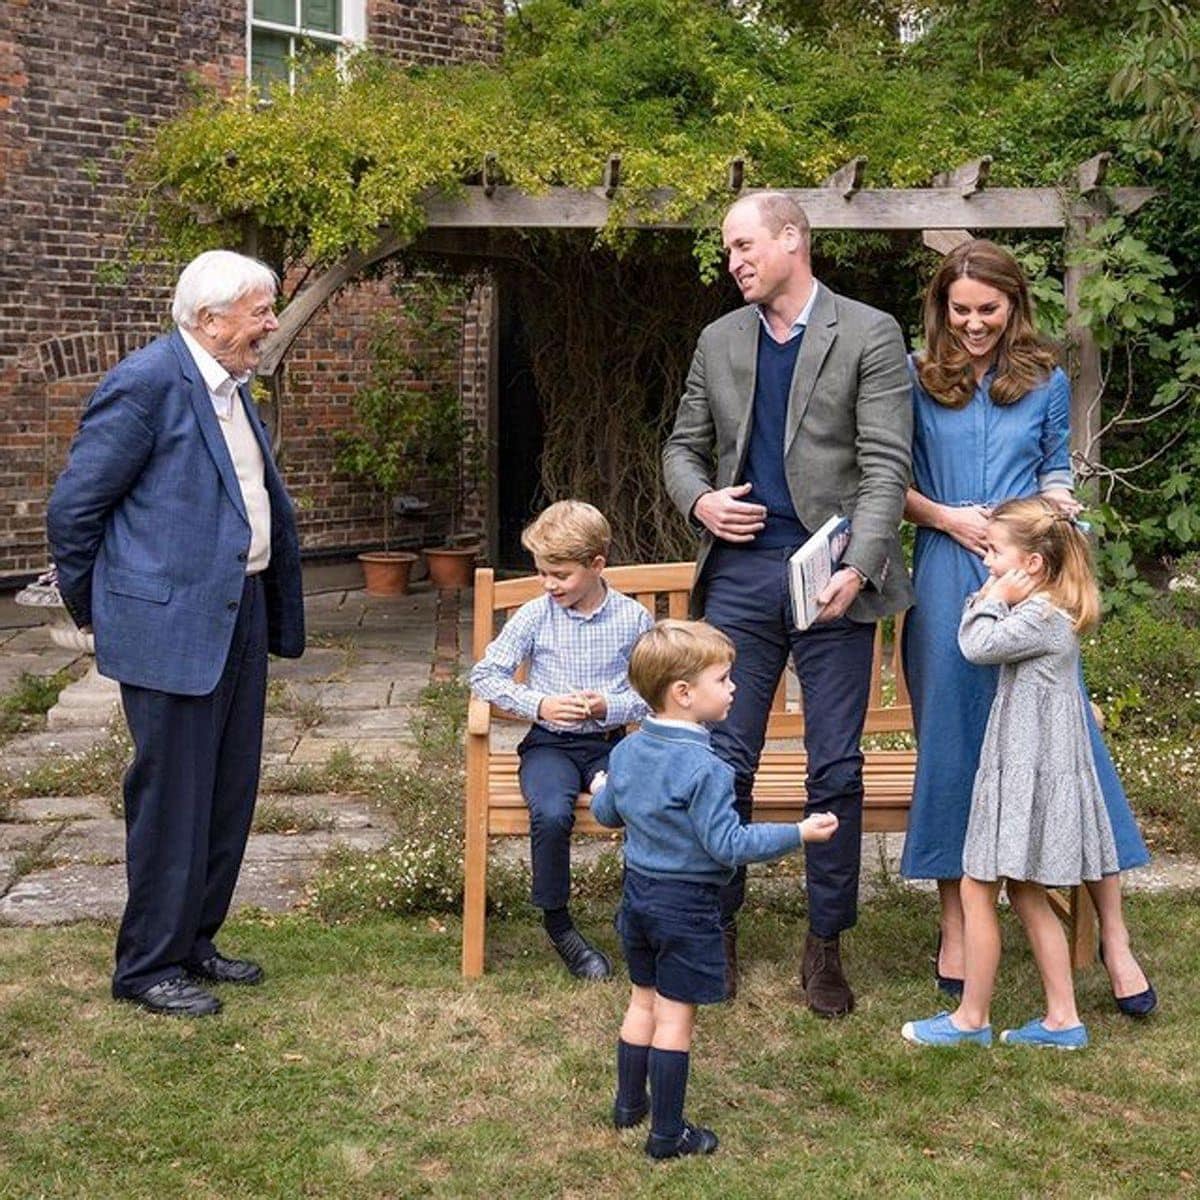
(946, 983)
(694, 1139)
(627, 1118)
(1141, 1004)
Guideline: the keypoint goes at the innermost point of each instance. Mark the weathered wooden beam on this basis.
(884, 208)
(945, 240)
(305, 306)
(969, 178)
(847, 179)
(736, 177)
(1090, 174)
(612, 175)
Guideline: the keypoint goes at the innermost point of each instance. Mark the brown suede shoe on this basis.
(729, 940)
(823, 980)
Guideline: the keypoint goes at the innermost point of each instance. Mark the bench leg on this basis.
(475, 862)
(1082, 929)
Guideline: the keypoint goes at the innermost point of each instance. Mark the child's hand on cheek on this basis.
(1013, 586)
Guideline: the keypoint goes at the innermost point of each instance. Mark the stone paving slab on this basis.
(15, 837)
(366, 694)
(57, 808)
(97, 840)
(344, 722)
(313, 751)
(345, 812)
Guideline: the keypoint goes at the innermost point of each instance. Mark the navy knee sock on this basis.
(631, 1074)
(557, 921)
(668, 1070)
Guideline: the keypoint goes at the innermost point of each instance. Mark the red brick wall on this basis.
(80, 83)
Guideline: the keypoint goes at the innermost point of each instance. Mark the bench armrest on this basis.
(479, 717)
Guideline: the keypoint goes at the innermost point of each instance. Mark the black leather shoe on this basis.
(219, 969)
(694, 1139)
(823, 980)
(583, 960)
(729, 942)
(177, 997)
(627, 1118)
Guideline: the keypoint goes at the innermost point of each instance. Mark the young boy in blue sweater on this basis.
(576, 637)
(683, 839)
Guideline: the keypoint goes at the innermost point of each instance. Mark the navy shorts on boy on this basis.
(671, 936)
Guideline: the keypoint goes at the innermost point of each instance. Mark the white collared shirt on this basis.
(802, 317)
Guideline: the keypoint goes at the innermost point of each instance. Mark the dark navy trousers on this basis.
(747, 597)
(189, 801)
(554, 769)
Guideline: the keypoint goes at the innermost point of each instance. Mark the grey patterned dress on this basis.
(1037, 812)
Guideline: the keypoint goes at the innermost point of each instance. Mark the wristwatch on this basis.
(862, 575)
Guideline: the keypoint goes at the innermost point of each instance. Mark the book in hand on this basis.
(812, 566)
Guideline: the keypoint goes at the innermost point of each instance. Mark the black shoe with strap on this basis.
(176, 997)
(694, 1139)
(219, 969)
(583, 960)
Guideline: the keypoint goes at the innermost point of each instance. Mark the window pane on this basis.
(324, 15)
(282, 12)
(312, 53)
(269, 54)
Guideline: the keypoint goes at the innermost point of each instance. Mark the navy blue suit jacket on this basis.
(150, 535)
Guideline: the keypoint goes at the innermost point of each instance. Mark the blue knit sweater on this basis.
(674, 797)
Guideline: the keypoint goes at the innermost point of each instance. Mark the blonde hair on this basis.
(568, 531)
(1023, 358)
(1036, 526)
(674, 650)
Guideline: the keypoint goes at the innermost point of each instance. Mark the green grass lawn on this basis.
(366, 1068)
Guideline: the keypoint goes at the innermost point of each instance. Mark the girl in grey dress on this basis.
(1038, 817)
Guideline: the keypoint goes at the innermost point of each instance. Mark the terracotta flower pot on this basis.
(386, 571)
(451, 567)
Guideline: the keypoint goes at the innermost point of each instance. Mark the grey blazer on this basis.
(848, 435)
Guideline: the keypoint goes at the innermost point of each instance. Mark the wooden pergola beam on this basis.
(870, 209)
(847, 179)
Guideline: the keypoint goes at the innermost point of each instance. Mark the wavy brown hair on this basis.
(1023, 357)
(1037, 526)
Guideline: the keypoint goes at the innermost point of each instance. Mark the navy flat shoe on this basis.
(1141, 1004)
(946, 983)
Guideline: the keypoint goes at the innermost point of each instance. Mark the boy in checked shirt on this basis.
(577, 638)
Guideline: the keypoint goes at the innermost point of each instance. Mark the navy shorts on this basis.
(671, 933)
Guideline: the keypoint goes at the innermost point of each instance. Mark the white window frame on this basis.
(354, 33)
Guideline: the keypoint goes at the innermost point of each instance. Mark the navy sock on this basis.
(631, 1074)
(668, 1070)
(557, 921)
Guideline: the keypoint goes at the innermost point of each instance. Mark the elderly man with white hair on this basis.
(176, 543)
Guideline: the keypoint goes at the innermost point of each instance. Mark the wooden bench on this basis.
(495, 807)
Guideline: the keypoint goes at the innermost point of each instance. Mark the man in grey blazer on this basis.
(797, 406)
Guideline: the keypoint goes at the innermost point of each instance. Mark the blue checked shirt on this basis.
(567, 652)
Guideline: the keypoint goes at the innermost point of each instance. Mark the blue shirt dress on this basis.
(980, 454)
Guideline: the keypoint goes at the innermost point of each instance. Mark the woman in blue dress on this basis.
(991, 414)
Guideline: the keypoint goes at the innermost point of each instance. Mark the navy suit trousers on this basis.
(189, 801)
(748, 599)
(554, 768)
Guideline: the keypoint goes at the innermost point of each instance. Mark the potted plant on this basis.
(387, 446)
